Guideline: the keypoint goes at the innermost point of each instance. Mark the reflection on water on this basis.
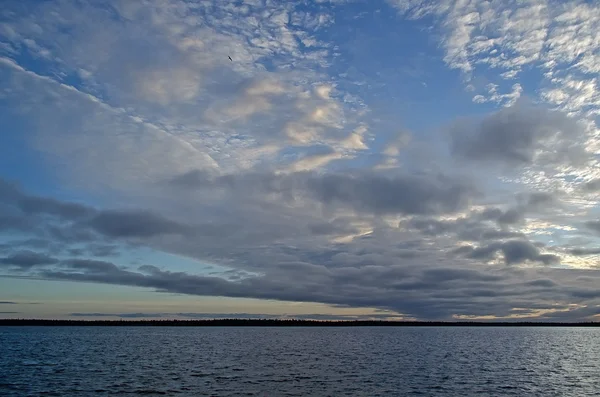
(299, 361)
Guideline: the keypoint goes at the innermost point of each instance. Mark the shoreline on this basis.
(286, 323)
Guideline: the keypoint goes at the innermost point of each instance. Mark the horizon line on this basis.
(286, 322)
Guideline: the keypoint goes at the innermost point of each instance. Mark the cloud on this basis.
(27, 259)
(592, 186)
(402, 194)
(81, 220)
(314, 161)
(471, 228)
(518, 136)
(584, 251)
(268, 257)
(436, 293)
(593, 226)
(506, 99)
(273, 168)
(369, 192)
(144, 76)
(11, 194)
(508, 217)
(514, 252)
(117, 224)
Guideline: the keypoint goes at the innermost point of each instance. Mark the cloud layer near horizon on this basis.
(275, 168)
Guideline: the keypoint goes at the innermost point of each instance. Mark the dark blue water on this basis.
(82, 361)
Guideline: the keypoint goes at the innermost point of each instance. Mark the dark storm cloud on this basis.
(27, 259)
(513, 136)
(514, 252)
(365, 192)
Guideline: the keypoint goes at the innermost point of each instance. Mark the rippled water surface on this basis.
(310, 361)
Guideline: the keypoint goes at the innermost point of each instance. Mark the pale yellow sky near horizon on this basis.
(53, 300)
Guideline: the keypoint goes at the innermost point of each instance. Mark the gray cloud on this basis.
(10, 193)
(592, 186)
(584, 251)
(27, 259)
(467, 229)
(514, 252)
(272, 257)
(513, 135)
(14, 223)
(76, 223)
(92, 266)
(34, 205)
(134, 224)
(540, 199)
(593, 226)
(368, 192)
(508, 217)
(278, 252)
(419, 290)
(402, 194)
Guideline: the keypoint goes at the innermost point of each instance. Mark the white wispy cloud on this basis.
(558, 38)
(168, 66)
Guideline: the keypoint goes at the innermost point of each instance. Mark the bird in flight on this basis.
(230, 58)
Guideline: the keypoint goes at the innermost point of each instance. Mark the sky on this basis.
(341, 159)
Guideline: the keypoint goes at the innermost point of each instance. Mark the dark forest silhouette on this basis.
(287, 323)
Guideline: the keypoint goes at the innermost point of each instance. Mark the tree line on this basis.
(237, 322)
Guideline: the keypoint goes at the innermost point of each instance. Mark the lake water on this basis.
(368, 361)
